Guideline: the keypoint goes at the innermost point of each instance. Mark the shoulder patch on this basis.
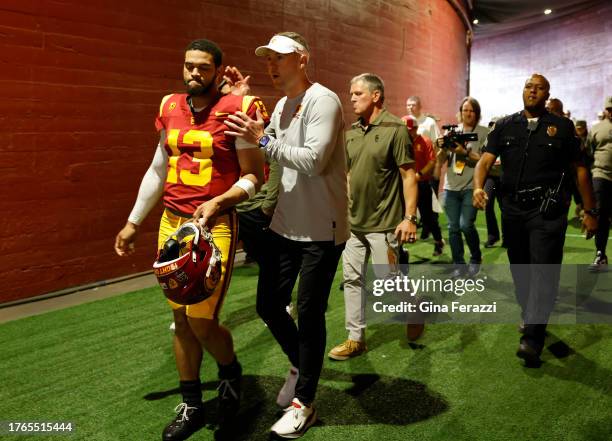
(246, 102)
(163, 101)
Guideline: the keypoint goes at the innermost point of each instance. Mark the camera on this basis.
(455, 136)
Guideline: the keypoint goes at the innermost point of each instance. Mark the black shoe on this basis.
(188, 421)
(529, 353)
(229, 398)
(438, 247)
(600, 264)
(491, 242)
(522, 327)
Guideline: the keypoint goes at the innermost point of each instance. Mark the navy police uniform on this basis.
(536, 159)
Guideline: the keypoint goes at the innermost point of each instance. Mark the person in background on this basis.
(429, 128)
(535, 230)
(383, 199)
(492, 188)
(587, 158)
(425, 161)
(600, 143)
(254, 216)
(460, 212)
(555, 106)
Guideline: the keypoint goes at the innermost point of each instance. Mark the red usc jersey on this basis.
(202, 160)
(423, 152)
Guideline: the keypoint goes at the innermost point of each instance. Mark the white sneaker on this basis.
(296, 420)
(291, 310)
(287, 392)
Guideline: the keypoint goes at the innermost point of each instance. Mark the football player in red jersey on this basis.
(201, 173)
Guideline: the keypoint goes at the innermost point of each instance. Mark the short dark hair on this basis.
(295, 37)
(475, 104)
(546, 82)
(210, 47)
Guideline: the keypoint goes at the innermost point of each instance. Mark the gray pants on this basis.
(383, 247)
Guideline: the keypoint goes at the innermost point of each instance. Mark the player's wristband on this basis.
(247, 185)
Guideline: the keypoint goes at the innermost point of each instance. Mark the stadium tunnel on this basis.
(82, 83)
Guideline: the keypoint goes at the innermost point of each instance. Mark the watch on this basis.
(412, 219)
(592, 212)
(263, 141)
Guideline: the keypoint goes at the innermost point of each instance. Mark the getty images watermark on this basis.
(404, 285)
(432, 293)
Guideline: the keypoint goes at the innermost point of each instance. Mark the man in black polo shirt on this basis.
(538, 151)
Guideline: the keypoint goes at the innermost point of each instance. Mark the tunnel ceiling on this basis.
(501, 16)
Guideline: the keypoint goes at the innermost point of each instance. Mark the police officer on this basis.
(538, 151)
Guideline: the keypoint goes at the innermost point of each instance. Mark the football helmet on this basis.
(188, 267)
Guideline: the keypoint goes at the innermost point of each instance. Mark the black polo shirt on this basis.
(553, 147)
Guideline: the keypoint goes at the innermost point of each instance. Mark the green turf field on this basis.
(107, 366)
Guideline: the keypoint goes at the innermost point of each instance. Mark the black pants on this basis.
(603, 198)
(434, 184)
(491, 187)
(535, 251)
(429, 221)
(254, 233)
(304, 344)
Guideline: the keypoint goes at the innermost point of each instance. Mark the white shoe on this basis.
(291, 310)
(287, 392)
(172, 326)
(296, 420)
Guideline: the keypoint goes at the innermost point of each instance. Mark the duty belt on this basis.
(530, 197)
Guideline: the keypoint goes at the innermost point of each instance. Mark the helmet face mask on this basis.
(188, 267)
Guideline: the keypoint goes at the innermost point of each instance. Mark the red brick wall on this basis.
(81, 81)
(573, 52)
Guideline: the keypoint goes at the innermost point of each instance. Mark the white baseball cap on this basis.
(282, 45)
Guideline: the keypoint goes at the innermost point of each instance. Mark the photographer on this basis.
(461, 157)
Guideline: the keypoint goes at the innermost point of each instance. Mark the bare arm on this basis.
(441, 157)
(406, 230)
(252, 164)
(428, 169)
(479, 196)
(583, 181)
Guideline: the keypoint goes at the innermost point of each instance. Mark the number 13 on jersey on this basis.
(200, 171)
